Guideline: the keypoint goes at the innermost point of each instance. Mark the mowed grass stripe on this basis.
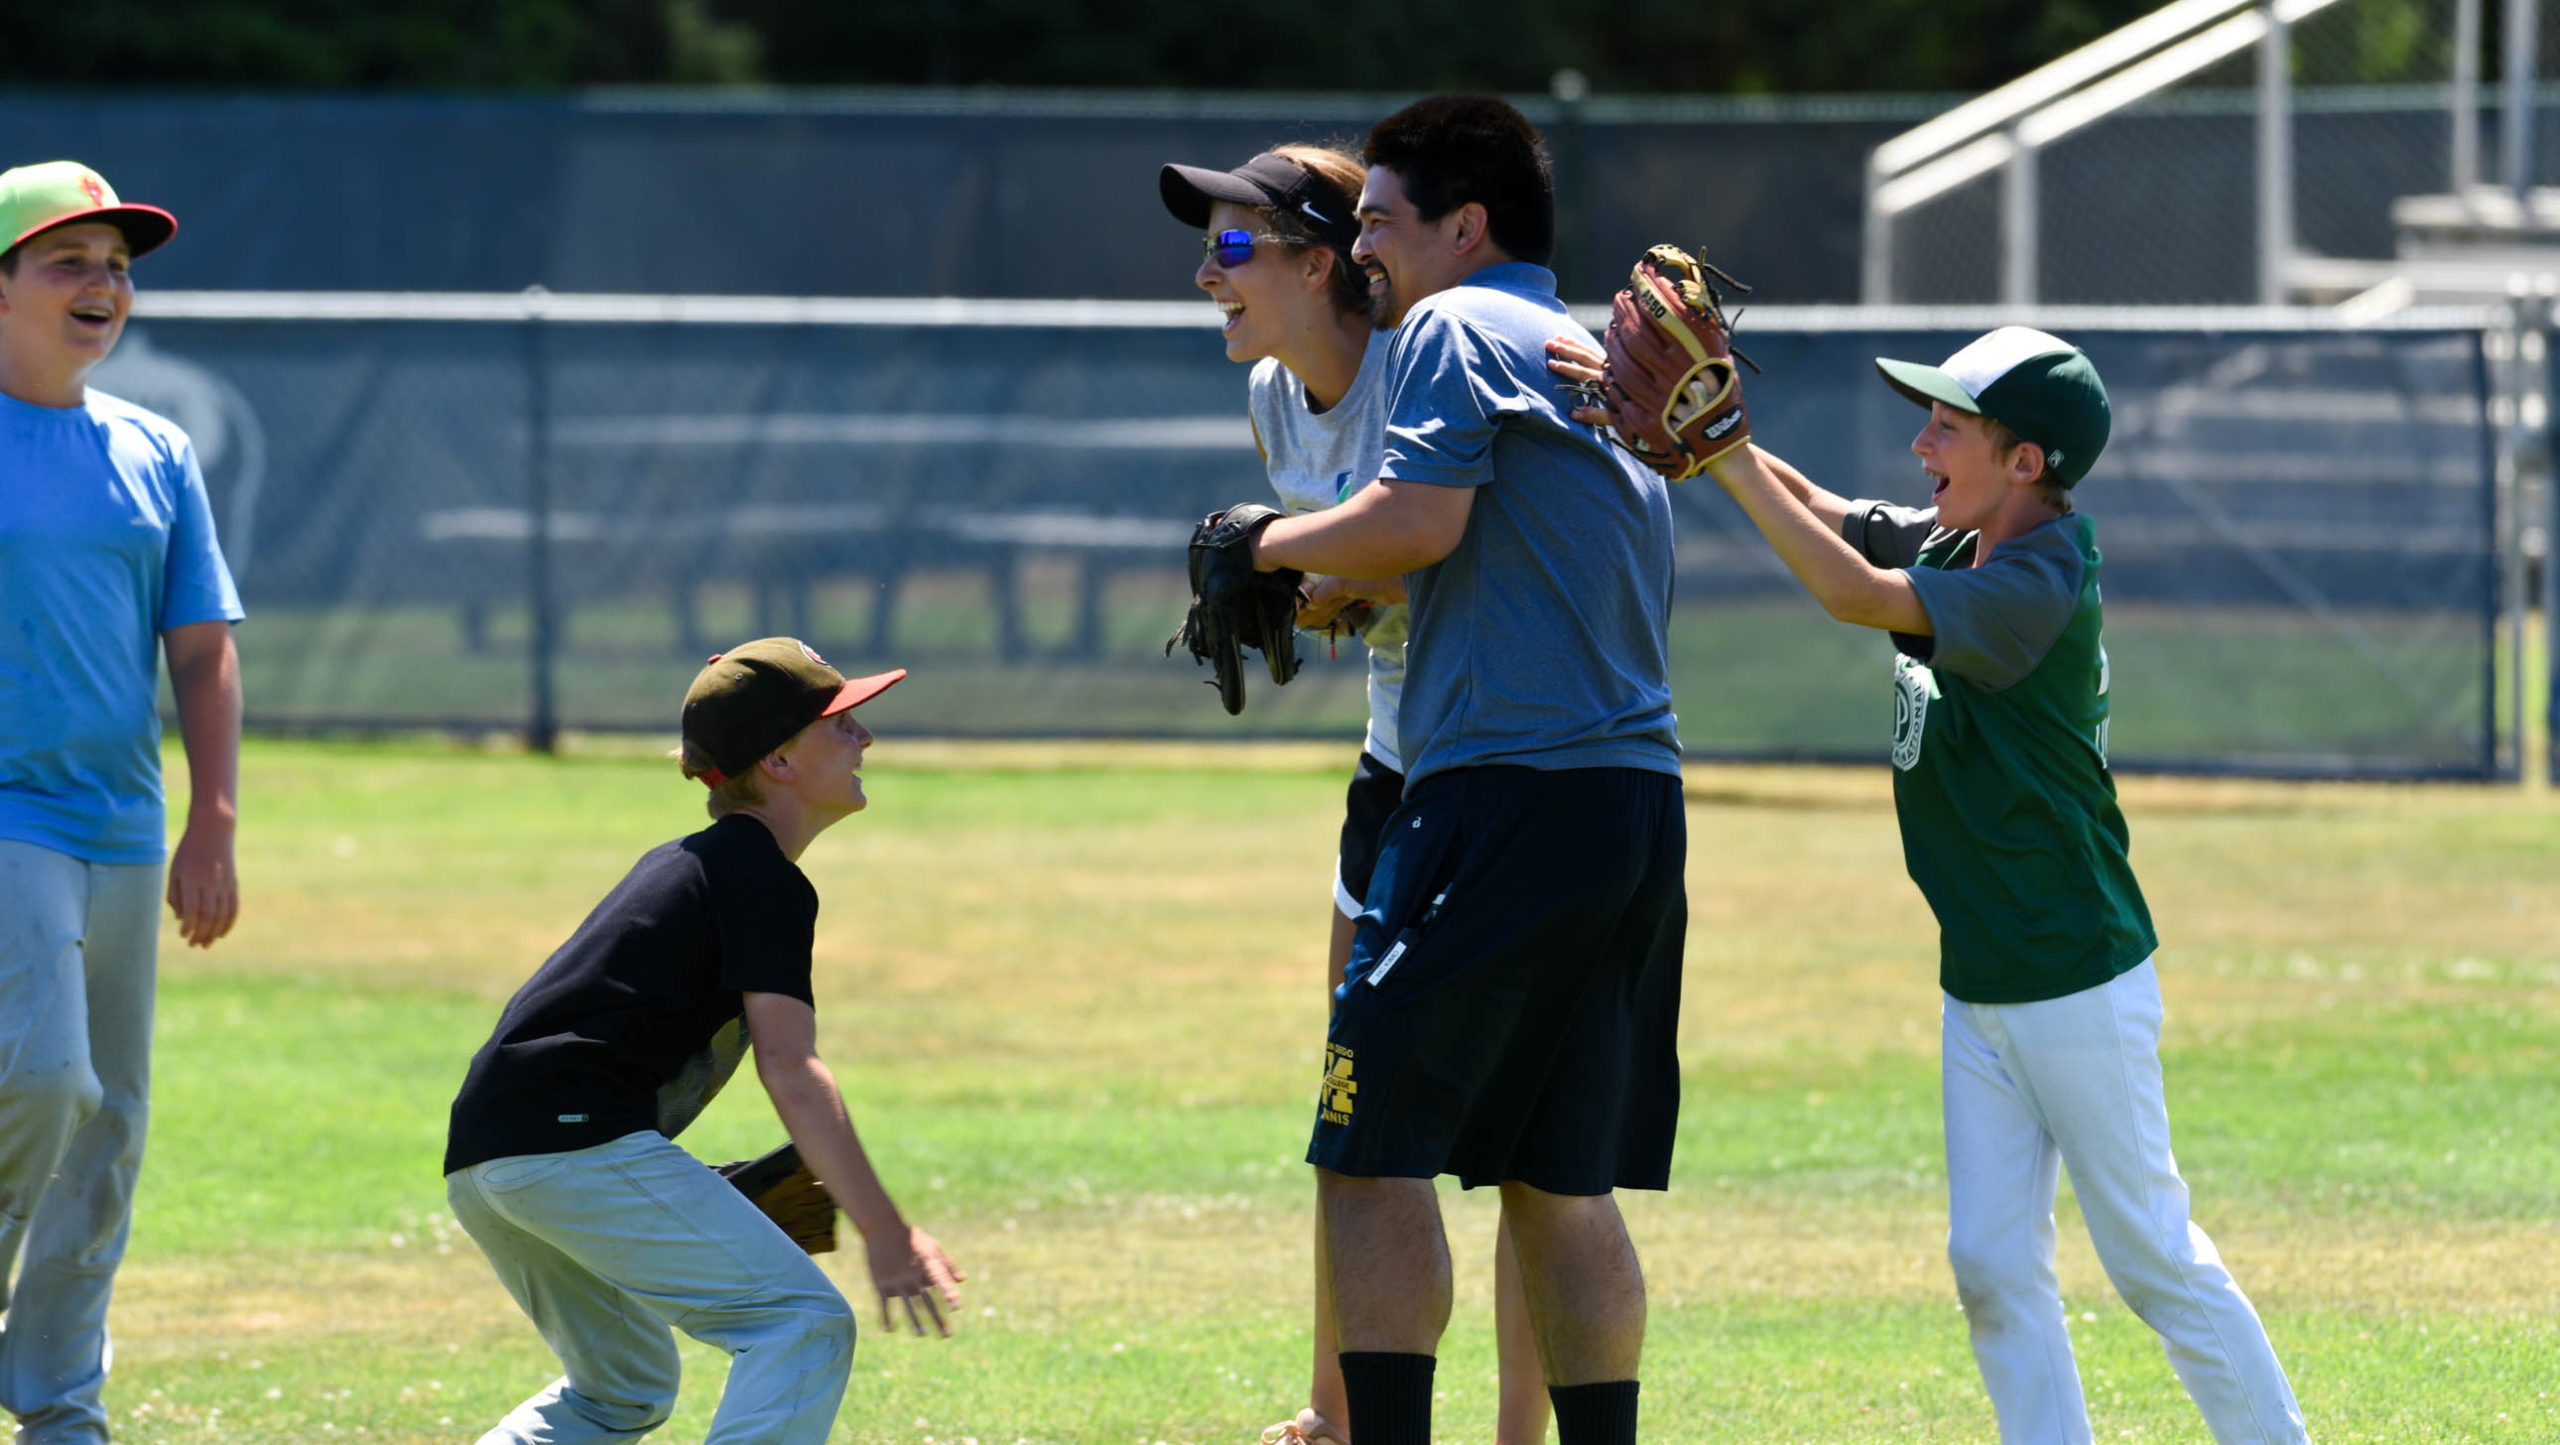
(1110, 1324)
(2431, 1113)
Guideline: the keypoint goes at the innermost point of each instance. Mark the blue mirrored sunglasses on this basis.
(1234, 248)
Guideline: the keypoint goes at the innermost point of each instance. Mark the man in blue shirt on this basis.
(107, 557)
(1510, 1007)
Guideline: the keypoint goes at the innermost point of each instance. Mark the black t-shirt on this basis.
(639, 1018)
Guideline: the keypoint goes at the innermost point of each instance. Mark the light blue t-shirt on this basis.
(1541, 641)
(106, 542)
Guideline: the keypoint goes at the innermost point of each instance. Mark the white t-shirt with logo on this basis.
(1315, 460)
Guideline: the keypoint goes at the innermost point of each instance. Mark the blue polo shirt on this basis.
(106, 541)
(1542, 640)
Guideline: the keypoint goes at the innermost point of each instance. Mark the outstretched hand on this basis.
(1582, 364)
(910, 1266)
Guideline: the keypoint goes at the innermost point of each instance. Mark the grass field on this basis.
(1074, 995)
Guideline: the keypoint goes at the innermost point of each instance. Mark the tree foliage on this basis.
(364, 44)
(1742, 47)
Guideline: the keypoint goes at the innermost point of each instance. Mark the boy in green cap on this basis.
(560, 1161)
(2051, 1017)
(107, 559)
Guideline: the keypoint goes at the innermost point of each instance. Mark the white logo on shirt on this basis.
(2105, 677)
(1913, 686)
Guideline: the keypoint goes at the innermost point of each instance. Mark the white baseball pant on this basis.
(2075, 1081)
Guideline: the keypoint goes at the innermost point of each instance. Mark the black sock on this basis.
(1601, 1414)
(1389, 1396)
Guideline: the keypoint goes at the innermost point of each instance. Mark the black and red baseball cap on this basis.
(759, 695)
(1267, 180)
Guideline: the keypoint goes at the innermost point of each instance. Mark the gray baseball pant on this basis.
(78, 948)
(610, 1249)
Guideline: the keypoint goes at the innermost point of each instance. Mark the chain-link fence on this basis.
(540, 524)
(2298, 531)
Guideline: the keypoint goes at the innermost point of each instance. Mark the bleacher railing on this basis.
(2009, 128)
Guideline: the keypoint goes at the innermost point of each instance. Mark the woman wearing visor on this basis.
(1276, 242)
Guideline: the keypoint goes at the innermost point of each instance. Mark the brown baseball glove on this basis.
(1671, 378)
(780, 1185)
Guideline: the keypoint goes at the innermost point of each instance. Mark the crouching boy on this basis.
(561, 1163)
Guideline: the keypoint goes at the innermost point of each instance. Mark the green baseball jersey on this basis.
(2009, 816)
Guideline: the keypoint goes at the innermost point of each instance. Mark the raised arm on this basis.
(1577, 358)
(1800, 519)
(1828, 508)
(204, 877)
(1848, 586)
(906, 1263)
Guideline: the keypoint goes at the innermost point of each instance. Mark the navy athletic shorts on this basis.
(1511, 1007)
(1376, 791)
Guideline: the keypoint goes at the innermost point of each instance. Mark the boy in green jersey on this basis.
(2051, 1020)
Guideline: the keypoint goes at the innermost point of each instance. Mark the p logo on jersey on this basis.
(1913, 686)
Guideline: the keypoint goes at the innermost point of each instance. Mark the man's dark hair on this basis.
(9, 262)
(1452, 149)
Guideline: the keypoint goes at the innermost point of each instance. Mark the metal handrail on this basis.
(2007, 126)
(1994, 110)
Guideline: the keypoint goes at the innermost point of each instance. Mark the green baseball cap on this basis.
(2036, 384)
(759, 695)
(58, 193)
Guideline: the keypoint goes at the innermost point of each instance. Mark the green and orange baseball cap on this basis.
(2039, 386)
(37, 198)
(759, 695)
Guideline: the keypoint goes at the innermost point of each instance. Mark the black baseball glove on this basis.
(1234, 607)
(782, 1186)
